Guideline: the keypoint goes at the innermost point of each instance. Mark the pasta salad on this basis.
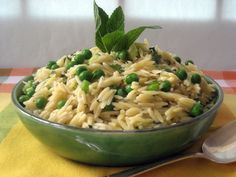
(141, 88)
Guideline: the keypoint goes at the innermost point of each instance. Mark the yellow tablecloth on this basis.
(21, 155)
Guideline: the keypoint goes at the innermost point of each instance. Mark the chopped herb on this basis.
(155, 56)
(117, 67)
(109, 107)
(178, 59)
(189, 61)
(115, 87)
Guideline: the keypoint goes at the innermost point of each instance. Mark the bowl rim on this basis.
(217, 104)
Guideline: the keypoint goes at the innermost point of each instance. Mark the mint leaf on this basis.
(135, 33)
(128, 39)
(101, 19)
(116, 21)
(110, 39)
(98, 41)
(96, 16)
(122, 44)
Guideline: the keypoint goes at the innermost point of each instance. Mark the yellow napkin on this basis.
(21, 155)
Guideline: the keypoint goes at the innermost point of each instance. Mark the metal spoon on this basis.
(219, 147)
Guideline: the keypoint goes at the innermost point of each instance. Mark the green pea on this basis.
(154, 86)
(79, 58)
(128, 88)
(30, 91)
(98, 73)
(40, 102)
(87, 54)
(80, 69)
(133, 77)
(197, 109)
(109, 107)
(178, 59)
(23, 98)
(121, 92)
(54, 66)
(50, 63)
(60, 104)
(24, 89)
(189, 61)
(34, 85)
(181, 74)
(123, 55)
(85, 75)
(31, 82)
(70, 65)
(165, 86)
(196, 78)
(85, 86)
(28, 85)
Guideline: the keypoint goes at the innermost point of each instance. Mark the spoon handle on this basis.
(148, 167)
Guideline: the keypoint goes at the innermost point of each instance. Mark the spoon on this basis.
(219, 147)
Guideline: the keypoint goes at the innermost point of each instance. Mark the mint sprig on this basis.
(110, 34)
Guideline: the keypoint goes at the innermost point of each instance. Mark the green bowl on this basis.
(116, 148)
